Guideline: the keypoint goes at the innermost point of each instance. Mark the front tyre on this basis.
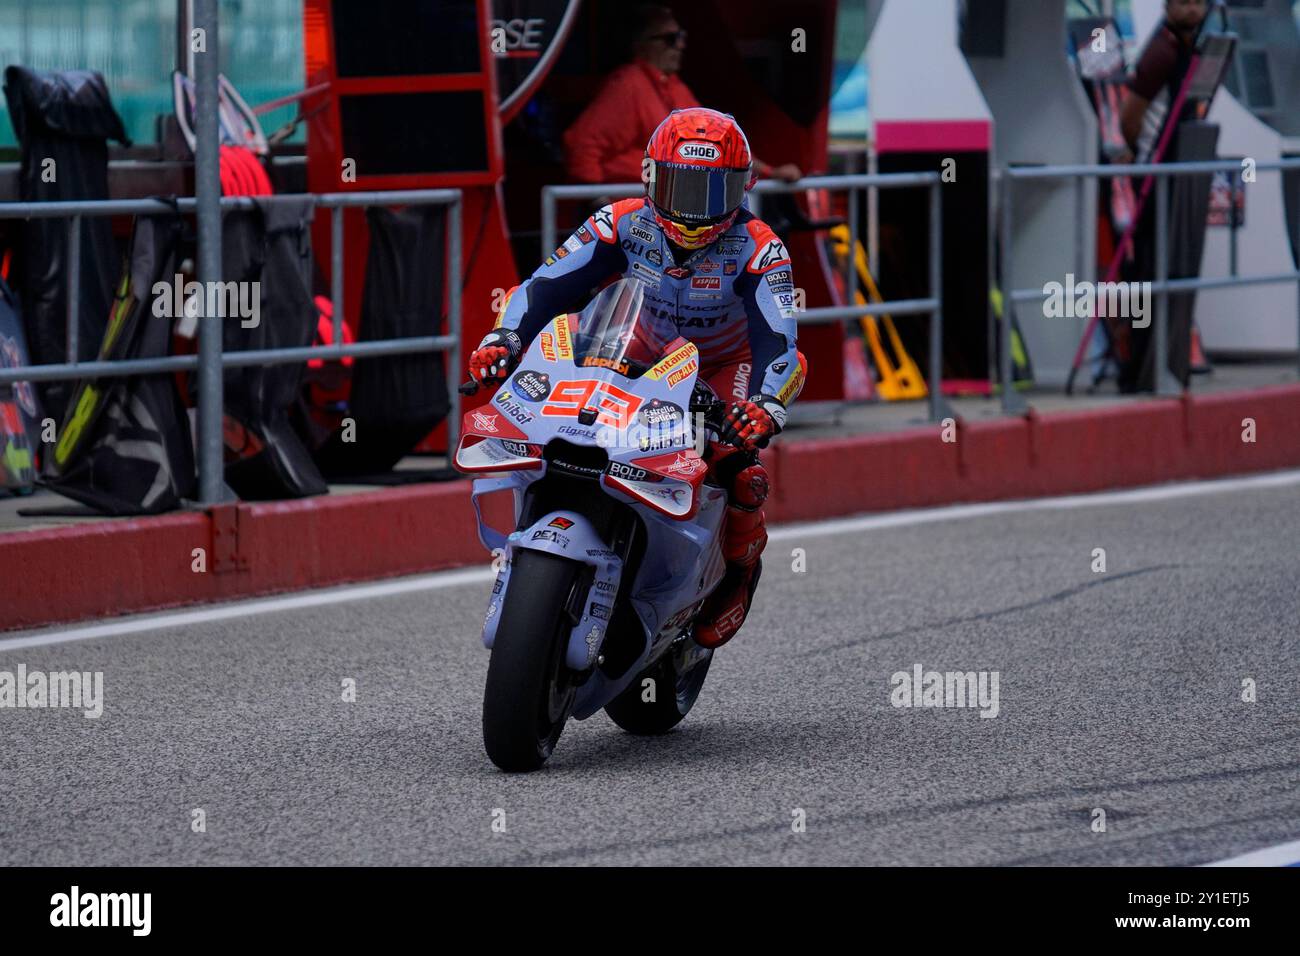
(530, 690)
(656, 708)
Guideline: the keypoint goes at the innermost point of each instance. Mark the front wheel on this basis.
(530, 689)
(664, 693)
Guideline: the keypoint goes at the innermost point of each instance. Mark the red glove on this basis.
(751, 424)
(495, 357)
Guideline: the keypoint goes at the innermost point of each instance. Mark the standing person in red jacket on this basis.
(607, 142)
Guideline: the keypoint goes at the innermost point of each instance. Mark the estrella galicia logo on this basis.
(533, 386)
(660, 414)
(655, 257)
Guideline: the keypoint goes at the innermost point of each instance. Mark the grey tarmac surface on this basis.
(1119, 691)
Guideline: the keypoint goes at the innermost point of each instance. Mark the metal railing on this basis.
(73, 370)
(931, 305)
(1161, 285)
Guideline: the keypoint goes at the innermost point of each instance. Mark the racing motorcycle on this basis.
(617, 531)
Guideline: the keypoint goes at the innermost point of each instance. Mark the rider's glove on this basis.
(495, 357)
(752, 423)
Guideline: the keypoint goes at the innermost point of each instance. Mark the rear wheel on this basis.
(530, 689)
(675, 680)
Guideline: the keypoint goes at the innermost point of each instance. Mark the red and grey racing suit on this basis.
(734, 299)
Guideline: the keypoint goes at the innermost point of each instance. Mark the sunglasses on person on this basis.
(672, 37)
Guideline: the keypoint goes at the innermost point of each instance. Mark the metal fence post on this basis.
(548, 222)
(336, 272)
(454, 325)
(939, 409)
(74, 289)
(207, 194)
(1164, 383)
(1012, 403)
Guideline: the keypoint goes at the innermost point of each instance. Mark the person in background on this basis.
(1163, 64)
(606, 144)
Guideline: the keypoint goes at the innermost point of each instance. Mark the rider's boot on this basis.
(743, 538)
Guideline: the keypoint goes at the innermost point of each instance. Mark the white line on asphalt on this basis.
(1284, 854)
(447, 579)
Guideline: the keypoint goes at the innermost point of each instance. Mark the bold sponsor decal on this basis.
(645, 235)
(660, 414)
(771, 254)
(613, 405)
(618, 469)
(777, 278)
(561, 522)
(706, 282)
(682, 373)
(517, 448)
(533, 386)
(563, 342)
(705, 151)
(672, 360)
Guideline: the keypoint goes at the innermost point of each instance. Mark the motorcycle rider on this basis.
(724, 278)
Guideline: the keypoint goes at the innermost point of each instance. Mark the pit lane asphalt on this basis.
(1119, 691)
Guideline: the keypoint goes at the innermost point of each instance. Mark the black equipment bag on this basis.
(396, 400)
(269, 245)
(63, 121)
(124, 446)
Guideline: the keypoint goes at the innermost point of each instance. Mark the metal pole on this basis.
(1012, 403)
(850, 255)
(548, 222)
(1161, 378)
(74, 288)
(938, 406)
(207, 194)
(336, 272)
(454, 324)
(1232, 224)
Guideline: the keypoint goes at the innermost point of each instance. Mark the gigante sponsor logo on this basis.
(65, 689)
(922, 688)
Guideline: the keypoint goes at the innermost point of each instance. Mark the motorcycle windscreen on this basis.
(617, 333)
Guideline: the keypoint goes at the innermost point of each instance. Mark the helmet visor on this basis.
(696, 192)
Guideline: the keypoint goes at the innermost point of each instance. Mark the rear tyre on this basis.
(678, 677)
(530, 689)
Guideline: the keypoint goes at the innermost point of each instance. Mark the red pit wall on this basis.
(118, 567)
